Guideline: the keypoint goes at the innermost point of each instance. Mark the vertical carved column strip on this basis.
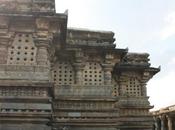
(145, 78)
(79, 73)
(108, 67)
(122, 85)
(107, 73)
(79, 66)
(3, 51)
(144, 89)
(42, 52)
(4, 39)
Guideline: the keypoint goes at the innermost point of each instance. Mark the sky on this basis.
(142, 26)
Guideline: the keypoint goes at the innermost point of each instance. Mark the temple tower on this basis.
(56, 78)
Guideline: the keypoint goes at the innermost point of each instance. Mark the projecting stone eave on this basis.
(145, 68)
(90, 38)
(56, 24)
(153, 70)
(136, 62)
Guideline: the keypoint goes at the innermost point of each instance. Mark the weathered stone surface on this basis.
(59, 78)
(137, 58)
(27, 6)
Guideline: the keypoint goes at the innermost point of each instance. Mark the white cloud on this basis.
(161, 91)
(169, 28)
(172, 62)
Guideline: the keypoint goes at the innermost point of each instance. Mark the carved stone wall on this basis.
(53, 77)
(63, 73)
(23, 50)
(93, 74)
(27, 6)
(133, 87)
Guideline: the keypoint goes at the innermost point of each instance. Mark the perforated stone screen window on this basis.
(93, 74)
(63, 73)
(22, 51)
(133, 87)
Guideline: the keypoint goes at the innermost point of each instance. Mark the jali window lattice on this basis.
(63, 73)
(23, 50)
(93, 74)
(133, 87)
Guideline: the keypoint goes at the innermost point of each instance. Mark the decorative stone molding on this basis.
(42, 53)
(27, 6)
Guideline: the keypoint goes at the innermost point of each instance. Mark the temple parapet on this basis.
(27, 6)
(84, 37)
(137, 58)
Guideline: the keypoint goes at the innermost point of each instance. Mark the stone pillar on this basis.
(107, 73)
(79, 73)
(42, 52)
(170, 123)
(156, 120)
(108, 67)
(155, 124)
(79, 66)
(162, 123)
(122, 85)
(144, 89)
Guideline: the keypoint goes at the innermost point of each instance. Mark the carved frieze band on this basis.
(84, 105)
(23, 92)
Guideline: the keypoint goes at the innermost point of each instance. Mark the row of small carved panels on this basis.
(23, 68)
(84, 105)
(24, 126)
(32, 111)
(23, 91)
(26, 106)
(133, 112)
(84, 118)
(134, 102)
(87, 127)
(87, 114)
(89, 43)
(44, 76)
(84, 91)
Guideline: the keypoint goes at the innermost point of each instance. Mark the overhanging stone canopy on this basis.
(56, 78)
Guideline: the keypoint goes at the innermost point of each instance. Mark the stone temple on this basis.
(56, 78)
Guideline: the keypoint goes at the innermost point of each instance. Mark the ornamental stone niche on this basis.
(56, 78)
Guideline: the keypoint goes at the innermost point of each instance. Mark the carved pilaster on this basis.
(42, 52)
(79, 73)
(79, 66)
(4, 39)
(122, 85)
(144, 89)
(145, 78)
(107, 73)
(4, 43)
(108, 67)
